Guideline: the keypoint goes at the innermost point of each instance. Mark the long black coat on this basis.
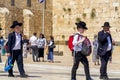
(103, 42)
(11, 42)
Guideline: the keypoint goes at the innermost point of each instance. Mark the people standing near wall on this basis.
(25, 46)
(51, 46)
(15, 48)
(33, 43)
(104, 49)
(79, 57)
(95, 57)
(41, 43)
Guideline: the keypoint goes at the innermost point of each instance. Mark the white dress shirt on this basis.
(18, 42)
(77, 47)
(33, 41)
(109, 44)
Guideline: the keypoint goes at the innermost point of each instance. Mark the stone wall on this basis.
(34, 23)
(93, 12)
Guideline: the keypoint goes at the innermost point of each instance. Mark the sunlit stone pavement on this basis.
(61, 69)
(46, 71)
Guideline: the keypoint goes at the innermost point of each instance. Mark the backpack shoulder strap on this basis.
(78, 35)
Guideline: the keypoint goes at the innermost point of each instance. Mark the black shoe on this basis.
(104, 77)
(101, 77)
(24, 76)
(11, 75)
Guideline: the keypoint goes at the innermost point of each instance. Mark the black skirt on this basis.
(41, 52)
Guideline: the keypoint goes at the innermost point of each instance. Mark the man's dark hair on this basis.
(34, 34)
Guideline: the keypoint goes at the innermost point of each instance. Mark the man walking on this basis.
(15, 48)
(33, 42)
(104, 49)
(79, 57)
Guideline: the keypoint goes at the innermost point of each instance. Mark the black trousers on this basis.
(104, 61)
(17, 56)
(83, 59)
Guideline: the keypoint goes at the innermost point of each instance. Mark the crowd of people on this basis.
(103, 48)
(38, 46)
(18, 46)
(35, 46)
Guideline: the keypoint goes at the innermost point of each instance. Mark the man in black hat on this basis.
(104, 49)
(79, 57)
(15, 48)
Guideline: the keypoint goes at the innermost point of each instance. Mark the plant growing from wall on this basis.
(93, 13)
(78, 19)
(116, 9)
(64, 9)
(63, 37)
(84, 15)
(69, 10)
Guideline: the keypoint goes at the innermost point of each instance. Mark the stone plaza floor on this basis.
(60, 69)
(47, 72)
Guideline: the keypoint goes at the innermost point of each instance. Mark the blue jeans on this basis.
(50, 56)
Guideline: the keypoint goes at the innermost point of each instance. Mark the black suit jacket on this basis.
(11, 42)
(103, 42)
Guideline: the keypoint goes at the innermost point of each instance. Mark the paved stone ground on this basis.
(61, 69)
(53, 71)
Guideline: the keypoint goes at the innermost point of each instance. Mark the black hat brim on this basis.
(107, 26)
(13, 26)
(86, 28)
(81, 26)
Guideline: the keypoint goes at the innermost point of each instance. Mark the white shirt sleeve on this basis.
(30, 40)
(37, 41)
(75, 40)
(50, 43)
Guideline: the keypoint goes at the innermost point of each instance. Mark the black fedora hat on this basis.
(15, 23)
(81, 24)
(106, 24)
